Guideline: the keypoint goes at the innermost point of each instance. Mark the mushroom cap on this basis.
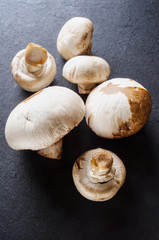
(44, 118)
(97, 191)
(75, 37)
(118, 108)
(29, 81)
(86, 69)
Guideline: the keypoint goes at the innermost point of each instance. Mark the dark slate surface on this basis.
(38, 199)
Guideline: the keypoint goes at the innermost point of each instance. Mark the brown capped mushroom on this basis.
(33, 68)
(118, 108)
(86, 71)
(75, 38)
(98, 174)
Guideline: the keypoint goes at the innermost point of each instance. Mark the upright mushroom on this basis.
(86, 71)
(42, 120)
(98, 174)
(118, 108)
(33, 68)
(75, 38)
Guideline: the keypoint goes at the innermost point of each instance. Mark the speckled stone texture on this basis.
(38, 199)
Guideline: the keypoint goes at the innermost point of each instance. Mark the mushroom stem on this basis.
(86, 88)
(35, 57)
(54, 151)
(101, 167)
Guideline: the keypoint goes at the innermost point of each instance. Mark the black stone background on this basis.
(38, 199)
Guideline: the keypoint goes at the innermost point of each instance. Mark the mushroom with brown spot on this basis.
(33, 68)
(41, 121)
(75, 38)
(118, 108)
(86, 71)
(98, 174)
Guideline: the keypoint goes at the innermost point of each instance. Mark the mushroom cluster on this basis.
(116, 108)
(74, 39)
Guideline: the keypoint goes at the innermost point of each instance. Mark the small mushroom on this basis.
(33, 68)
(98, 174)
(86, 71)
(75, 38)
(42, 120)
(118, 108)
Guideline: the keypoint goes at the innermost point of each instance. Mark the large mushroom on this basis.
(75, 38)
(42, 120)
(86, 71)
(118, 108)
(33, 68)
(98, 174)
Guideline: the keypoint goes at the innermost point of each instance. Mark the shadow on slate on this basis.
(55, 176)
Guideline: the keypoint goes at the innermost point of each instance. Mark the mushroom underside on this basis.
(96, 190)
(33, 77)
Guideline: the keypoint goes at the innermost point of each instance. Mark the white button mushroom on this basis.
(75, 38)
(42, 120)
(118, 108)
(33, 68)
(86, 71)
(98, 174)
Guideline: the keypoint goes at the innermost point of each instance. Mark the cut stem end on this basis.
(101, 167)
(35, 54)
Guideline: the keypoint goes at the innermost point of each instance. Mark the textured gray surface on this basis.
(38, 199)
